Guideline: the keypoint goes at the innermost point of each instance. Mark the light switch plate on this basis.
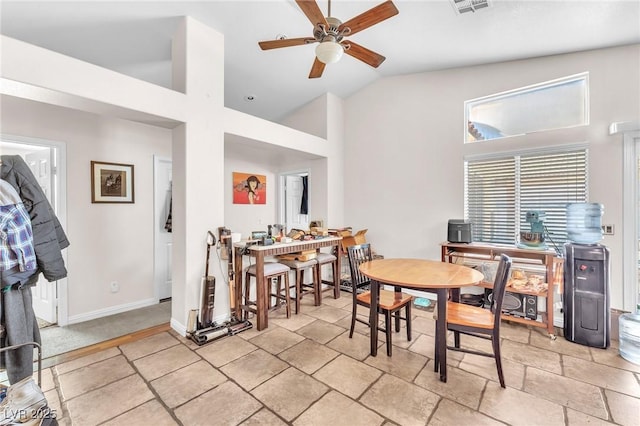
(608, 229)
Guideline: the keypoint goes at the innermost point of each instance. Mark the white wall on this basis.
(245, 218)
(404, 151)
(109, 242)
(310, 118)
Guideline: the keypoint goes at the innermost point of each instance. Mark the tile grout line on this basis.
(230, 379)
(149, 386)
(603, 394)
(529, 338)
(63, 404)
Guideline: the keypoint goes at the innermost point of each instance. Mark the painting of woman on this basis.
(249, 188)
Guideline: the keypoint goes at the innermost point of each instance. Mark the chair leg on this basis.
(408, 320)
(396, 316)
(495, 341)
(336, 279)
(278, 291)
(456, 339)
(268, 290)
(299, 276)
(317, 297)
(387, 326)
(353, 319)
(317, 284)
(287, 296)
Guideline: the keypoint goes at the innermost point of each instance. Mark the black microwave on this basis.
(516, 304)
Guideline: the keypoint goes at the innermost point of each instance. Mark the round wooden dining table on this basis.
(419, 274)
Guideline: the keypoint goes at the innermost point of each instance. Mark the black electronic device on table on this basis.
(459, 231)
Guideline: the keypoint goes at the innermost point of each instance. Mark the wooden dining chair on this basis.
(390, 303)
(282, 297)
(481, 322)
(302, 288)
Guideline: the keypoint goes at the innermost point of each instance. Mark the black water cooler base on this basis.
(586, 295)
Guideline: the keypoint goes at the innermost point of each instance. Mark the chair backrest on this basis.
(358, 254)
(500, 285)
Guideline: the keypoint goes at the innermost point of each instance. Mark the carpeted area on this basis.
(57, 340)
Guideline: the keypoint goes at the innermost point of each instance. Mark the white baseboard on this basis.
(110, 311)
(180, 328)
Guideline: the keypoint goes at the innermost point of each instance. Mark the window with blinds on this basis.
(499, 192)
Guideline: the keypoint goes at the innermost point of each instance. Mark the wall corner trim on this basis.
(623, 127)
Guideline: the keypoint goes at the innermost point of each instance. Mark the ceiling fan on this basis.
(329, 32)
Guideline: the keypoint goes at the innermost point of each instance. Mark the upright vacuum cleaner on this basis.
(206, 330)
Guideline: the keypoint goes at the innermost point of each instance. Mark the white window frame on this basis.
(524, 90)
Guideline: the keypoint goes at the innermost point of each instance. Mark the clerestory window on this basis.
(556, 104)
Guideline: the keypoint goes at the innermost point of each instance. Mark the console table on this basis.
(474, 253)
(259, 252)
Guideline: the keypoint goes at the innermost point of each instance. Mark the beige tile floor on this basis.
(306, 371)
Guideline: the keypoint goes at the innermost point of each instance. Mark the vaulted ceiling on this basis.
(134, 38)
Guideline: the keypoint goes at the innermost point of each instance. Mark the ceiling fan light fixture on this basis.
(329, 51)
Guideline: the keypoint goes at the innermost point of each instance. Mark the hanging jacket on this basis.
(48, 236)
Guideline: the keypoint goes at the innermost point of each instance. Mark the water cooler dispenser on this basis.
(587, 317)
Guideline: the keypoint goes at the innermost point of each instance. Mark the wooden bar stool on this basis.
(300, 267)
(325, 259)
(271, 270)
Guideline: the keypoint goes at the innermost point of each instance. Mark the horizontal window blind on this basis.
(491, 199)
(499, 192)
(548, 183)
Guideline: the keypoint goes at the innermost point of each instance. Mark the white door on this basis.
(633, 295)
(44, 293)
(293, 198)
(162, 171)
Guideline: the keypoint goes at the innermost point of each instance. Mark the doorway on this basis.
(293, 188)
(162, 237)
(631, 217)
(46, 161)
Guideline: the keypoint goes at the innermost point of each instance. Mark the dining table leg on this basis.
(441, 334)
(374, 288)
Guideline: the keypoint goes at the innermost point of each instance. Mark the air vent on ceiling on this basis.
(462, 6)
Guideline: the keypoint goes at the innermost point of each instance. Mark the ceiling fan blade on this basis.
(370, 17)
(316, 69)
(362, 53)
(275, 44)
(313, 12)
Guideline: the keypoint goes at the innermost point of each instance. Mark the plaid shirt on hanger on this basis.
(16, 239)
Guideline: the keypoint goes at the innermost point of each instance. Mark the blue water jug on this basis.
(584, 222)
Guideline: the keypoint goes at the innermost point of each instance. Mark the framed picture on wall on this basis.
(249, 188)
(111, 182)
